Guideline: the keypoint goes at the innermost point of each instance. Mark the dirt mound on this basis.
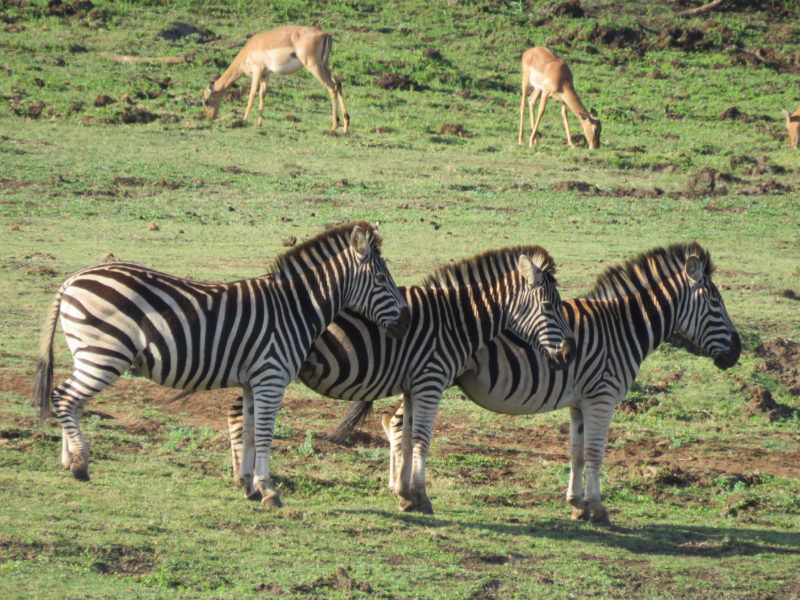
(683, 38)
(781, 359)
(761, 402)
(456, 129)
(179, 30)
(397, 81)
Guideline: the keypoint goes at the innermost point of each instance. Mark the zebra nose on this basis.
(399, 326)
(567, 350)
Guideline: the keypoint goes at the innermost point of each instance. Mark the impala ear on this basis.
(359, 243)
(694, 268)
(785, 113)
(532, 274)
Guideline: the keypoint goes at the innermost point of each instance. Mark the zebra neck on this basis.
(642, 320)
(312, 302)
(473, 315)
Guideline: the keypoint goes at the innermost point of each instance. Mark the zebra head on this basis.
(704, 321)
(538, 316)
(374, 293)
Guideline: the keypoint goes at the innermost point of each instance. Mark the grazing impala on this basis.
(281, 50)
(793, 127)
(544, 75)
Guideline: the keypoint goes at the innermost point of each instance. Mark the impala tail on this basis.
(352, 421)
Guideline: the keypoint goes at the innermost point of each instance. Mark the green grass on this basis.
(704, 492)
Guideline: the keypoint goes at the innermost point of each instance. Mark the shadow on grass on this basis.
(666, 539)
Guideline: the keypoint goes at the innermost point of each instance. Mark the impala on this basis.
(281, 50)
(545, 75)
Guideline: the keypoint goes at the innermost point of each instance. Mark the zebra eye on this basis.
(547, 305)
(380, 278)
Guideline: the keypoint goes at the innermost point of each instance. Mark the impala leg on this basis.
(345, 114)
(535, 124)
(575, 486)
(402, 457)
(392, 423)
(262, 89)
(597, 417)
(267, 401)
(525, 90)
(256, 79)
(566, 124)
(320, 71)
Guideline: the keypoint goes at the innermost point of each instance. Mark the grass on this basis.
(704, 492)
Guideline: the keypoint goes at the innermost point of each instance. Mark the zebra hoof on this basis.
(601, 519)
(273, 501)
(580, 514)
(80, 471)
(425, 507)
(255, 496)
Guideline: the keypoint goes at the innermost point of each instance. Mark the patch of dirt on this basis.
(456, 129)
(179, 30)
(339, 580)
(781, 360)
(761, 402)
(122, 560)
(590, 189)
(755, 165)
(397, 81)
(765, 187)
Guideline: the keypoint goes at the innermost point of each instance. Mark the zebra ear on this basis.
(694, 268)
(359, 243)
(532, 274)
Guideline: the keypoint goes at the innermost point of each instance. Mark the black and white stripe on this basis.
(455, 312)
(253, 333)
(632, 309)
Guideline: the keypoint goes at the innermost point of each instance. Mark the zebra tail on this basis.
(43, 378)
(352, 421)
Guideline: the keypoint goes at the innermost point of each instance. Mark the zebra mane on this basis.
(491, 262)
(660, 263)
(339, 235)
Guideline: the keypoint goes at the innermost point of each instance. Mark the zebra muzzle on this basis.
(727, 359)
(565, 354)
(399, 326)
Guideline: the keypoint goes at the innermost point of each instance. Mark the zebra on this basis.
(633, 307)
(456, 310)
(188, 335)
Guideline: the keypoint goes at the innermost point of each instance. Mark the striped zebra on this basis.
(457, 310)
(632, 309)
(253, 333)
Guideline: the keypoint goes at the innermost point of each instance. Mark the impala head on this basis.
(793, 127)
(538, 316)
(373, 292)
(704, 320)
(591, 129)
(211, 101)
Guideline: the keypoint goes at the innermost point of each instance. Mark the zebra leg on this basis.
(413, 494)
(392, 423)
(597, 421)
(575, 487)
(68, 401)
(267, 400)
(243, 472)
